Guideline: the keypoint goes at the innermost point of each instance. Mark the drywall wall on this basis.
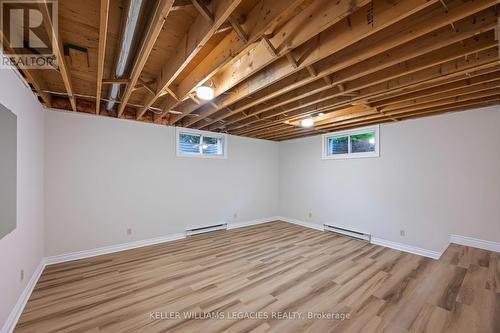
(435, 176)
(8, 170)
(105, 175)
(23, 247)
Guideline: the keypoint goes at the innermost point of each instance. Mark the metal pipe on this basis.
(137, 19)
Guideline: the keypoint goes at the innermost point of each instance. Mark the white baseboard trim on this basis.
(14, 315)
(314, 226)
(374, 240)
(141, 243)
(111, 249)
(11, 322)
(474, 242)
(407, 248)
(236, 225)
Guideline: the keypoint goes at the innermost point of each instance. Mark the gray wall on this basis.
(23, 247)
(105, 175)
(435, 177)
(8, 170)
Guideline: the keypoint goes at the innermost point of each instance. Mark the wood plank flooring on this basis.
(274, 277)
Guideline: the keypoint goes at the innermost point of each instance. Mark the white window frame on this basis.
(348, 133)
(221, 136)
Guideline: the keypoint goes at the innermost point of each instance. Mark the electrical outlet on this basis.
(310, 215)
(129, 231)
(402, 233)
(22, 274)
(235, 215)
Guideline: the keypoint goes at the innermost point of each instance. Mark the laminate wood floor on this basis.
(274, 276)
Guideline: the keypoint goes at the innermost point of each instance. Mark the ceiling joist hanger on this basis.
(115, 81)
(203, 10)
(238, 28)
(269, 46)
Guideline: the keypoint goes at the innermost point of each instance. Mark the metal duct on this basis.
(137, 19)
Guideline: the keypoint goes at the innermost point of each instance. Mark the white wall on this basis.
(435, 177)
(23, 247)
(105, 175)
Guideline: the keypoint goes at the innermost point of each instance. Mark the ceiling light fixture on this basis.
(308, 122)
(204, 92)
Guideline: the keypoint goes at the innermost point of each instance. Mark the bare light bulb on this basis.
(204, 92)
(308, 122)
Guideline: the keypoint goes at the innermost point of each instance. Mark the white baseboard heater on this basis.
(205, 229)
(347, 232)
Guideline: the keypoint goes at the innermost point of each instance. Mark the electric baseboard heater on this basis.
(205, 229)
(347, 232)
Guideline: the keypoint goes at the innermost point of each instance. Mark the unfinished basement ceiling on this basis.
(348, 63)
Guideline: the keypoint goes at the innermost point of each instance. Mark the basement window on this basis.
(356, 143)
(195, 143)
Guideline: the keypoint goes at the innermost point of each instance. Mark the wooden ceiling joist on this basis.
(115, 81)
(32, 77)
(462, 91)
(411, 97)
(347, 63)
(161, 12)
(377, 118)
(361, 120)
(355, 121)
(426, 78)
(307, 95)
(454, 51)
(495, 91)
(335, 36)
(272, 127)
(385, 40)
(195, 38)
(259, 20)
(377, 121)
(485, 66)
(103, 31)
(36, 82)
(57, 47)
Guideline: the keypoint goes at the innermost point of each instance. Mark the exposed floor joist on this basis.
(273, 63)
(377, 84)
(262, 18)
(103, 32)
(57, 47)
(389, 39)
(458, 73)
(161, 12)
(336, 36)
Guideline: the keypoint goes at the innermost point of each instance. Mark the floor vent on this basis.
(347, 232)
(205, 229)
